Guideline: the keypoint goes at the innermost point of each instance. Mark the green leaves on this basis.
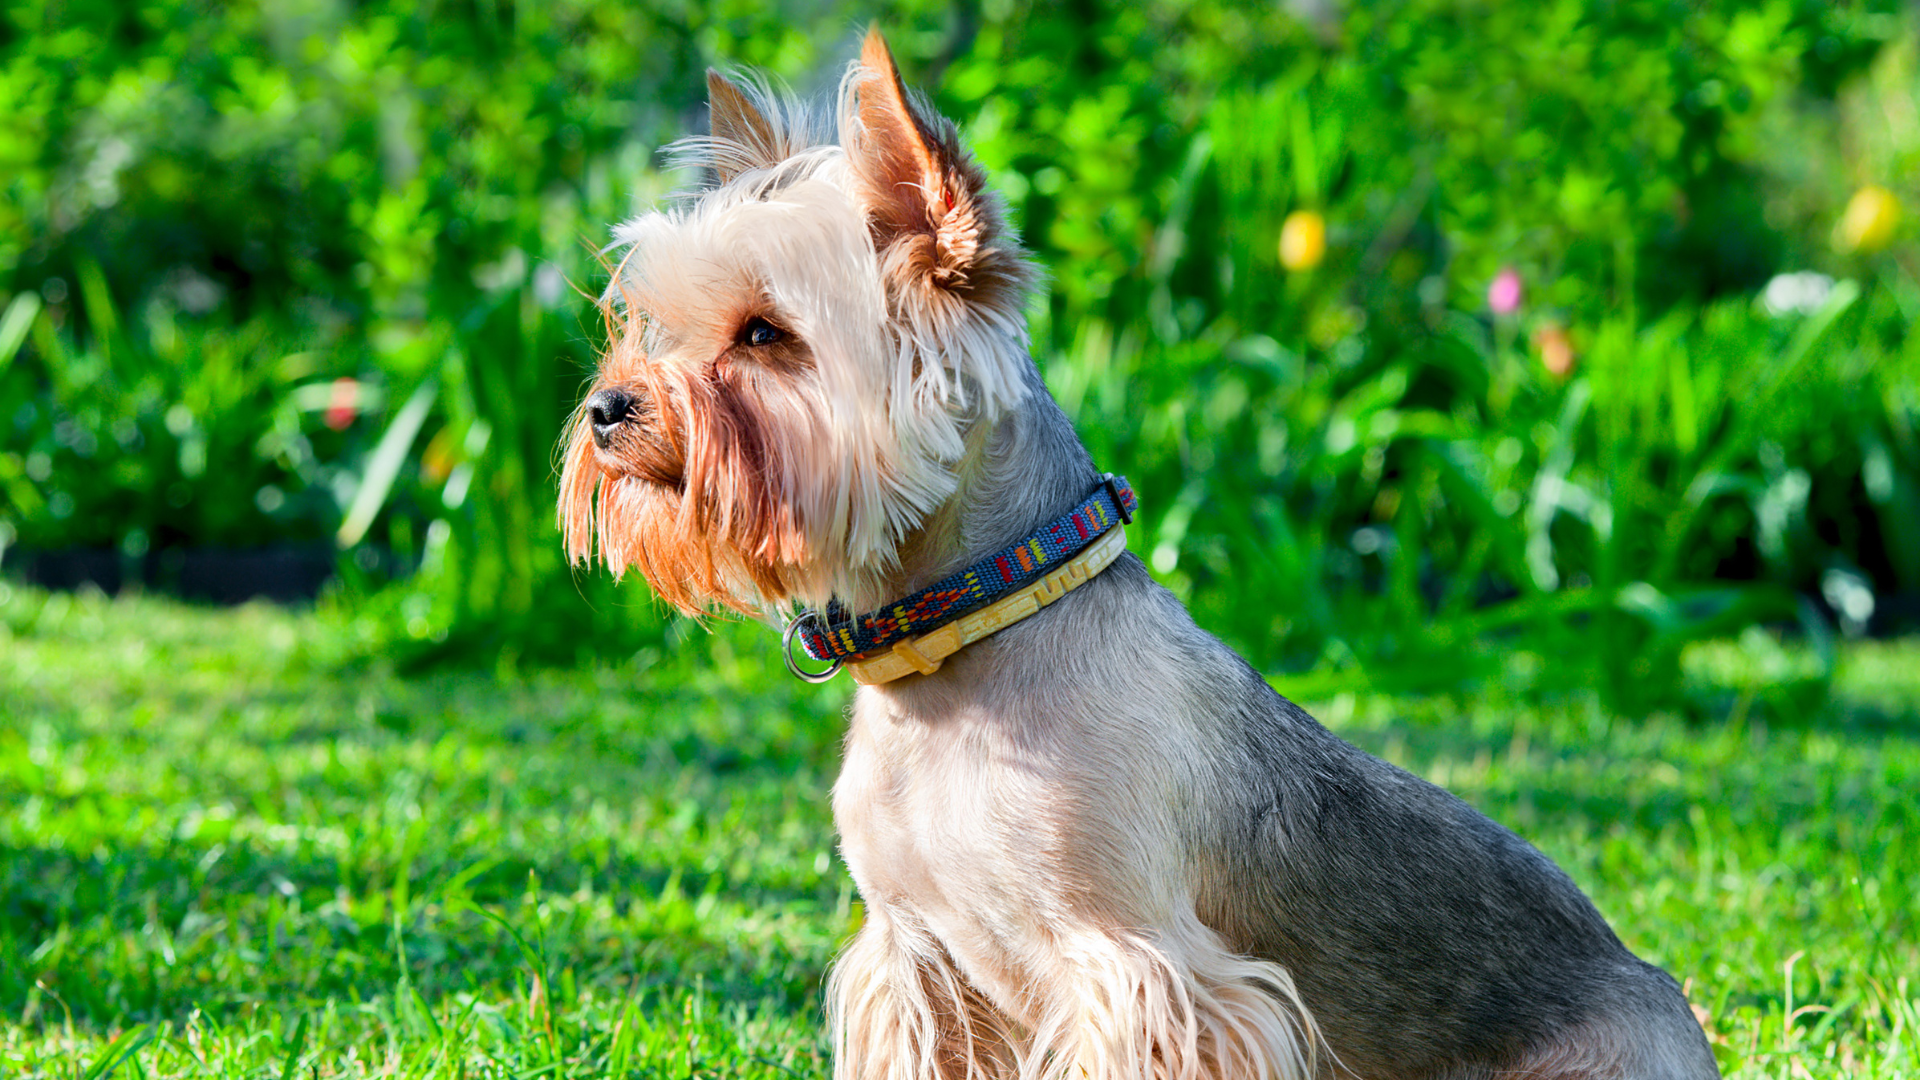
(216, 223)
(383, 465)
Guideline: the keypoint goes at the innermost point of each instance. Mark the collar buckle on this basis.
(1112, 484)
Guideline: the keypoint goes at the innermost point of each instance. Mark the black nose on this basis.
(607, 410)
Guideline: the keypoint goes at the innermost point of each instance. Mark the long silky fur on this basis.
(1178, 1008)
(1120, 1006)
(1094, 845)
(900, 1010)
(847, 477)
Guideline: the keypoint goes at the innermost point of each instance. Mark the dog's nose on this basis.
(607, 410)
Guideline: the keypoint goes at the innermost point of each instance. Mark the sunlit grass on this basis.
(224, 854)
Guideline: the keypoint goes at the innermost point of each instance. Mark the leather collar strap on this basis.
(1003, 588)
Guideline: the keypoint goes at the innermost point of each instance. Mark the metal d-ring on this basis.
(786, 651)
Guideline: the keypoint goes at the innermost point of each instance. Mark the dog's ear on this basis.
(743, 136)
(937, 228)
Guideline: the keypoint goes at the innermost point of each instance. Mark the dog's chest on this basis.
(948, 815)
(1006, 836)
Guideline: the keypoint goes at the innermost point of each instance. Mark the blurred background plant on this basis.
(1445, 341)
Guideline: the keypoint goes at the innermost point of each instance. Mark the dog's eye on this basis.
(759, 333)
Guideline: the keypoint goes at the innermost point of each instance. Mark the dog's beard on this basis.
(745, 482)
(697, 493)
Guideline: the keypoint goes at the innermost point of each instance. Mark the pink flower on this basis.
(343, 404)
(1503, 296)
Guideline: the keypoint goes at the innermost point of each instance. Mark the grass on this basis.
(226, 852)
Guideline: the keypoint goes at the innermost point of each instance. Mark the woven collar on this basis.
(837, 637)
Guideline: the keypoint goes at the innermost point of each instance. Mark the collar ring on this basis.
(786, 651)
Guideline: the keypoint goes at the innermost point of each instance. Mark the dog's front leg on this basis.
(1107, 1005)
(901, 1010)
(1173, 1004)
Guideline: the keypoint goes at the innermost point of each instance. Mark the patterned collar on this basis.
(1055, 558)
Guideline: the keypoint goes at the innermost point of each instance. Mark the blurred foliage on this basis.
(306, 268)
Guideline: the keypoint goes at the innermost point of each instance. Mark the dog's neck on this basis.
(1019, 471)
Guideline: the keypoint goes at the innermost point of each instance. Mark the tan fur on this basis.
(1109, 1005)
(900, 1009)
(718, 496)
(1061, 891)
(744, 476)
(1094, 845)
(939, 229)
(751, 138)
(689, 497)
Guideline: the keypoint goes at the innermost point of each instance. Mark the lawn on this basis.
(228, 850)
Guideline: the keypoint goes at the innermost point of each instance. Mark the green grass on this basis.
(226, 852)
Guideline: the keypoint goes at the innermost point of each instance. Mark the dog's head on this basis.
(797, 351)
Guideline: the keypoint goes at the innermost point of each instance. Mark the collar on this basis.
(917, 632)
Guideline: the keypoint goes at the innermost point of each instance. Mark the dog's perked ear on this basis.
(940, 233)
(751, 127)
(740, 127)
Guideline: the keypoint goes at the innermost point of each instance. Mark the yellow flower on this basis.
(1556, 349)
(1872, 215)
(437, 461)
(1303, 240)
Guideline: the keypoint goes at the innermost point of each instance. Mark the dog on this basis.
(1091, 840)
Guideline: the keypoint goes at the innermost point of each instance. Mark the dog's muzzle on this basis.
(632, 437)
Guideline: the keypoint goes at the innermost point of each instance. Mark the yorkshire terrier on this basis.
(1091, 840)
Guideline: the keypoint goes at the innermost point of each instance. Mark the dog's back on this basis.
(1425, 939)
